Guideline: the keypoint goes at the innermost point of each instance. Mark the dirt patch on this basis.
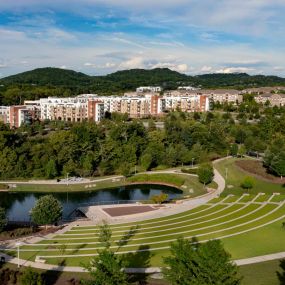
(256, 168)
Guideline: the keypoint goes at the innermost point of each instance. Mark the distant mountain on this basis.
(238, 80)
(49, 76)
(127, 80)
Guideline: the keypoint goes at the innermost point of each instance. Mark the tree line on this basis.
(118, 146)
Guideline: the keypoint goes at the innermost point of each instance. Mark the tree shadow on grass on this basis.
(281, 276)
(77, 248)
(139, 259)
(51, 277)
(127, 236)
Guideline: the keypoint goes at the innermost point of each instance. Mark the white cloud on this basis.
(134, 62)
(182, 67)
(279, 68)
(206, 68)
(235, 70)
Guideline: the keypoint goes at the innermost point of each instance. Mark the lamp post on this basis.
(18, 244)
(193, 162)
(226, 173)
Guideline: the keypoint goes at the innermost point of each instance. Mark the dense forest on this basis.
(43, 82)
(118, 145)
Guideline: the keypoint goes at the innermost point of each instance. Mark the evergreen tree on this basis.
(200, 264)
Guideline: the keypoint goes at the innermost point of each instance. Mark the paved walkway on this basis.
(43, 266)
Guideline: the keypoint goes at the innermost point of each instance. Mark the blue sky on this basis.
(102, 36)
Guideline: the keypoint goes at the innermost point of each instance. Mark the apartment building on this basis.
(149, 89)
(194, 103)
(4, 114)
(188, 88)
(223, 95)
(22, 114)
(273, 99)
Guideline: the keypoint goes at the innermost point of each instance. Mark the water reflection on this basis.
(19, 204)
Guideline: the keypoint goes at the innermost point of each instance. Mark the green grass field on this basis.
(235, 177)
(263, 273)
(239, 224)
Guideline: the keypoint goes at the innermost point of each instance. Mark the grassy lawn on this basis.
(263, 273)
(235, 177)
(92, 186)
(188, 184)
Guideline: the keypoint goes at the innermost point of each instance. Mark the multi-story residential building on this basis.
(4, 114)
(93, 107)
(148, 89)
(273, 99)
(223, 95)
(21, 114)
(188, 88)
(194, 103)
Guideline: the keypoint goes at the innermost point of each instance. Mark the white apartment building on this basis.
(188, 88)
(274, 99)
(148, 89)
(4, 114)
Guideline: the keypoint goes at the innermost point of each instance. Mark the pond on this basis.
(18, 204)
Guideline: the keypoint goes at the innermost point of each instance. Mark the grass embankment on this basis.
(235, 177)
(188, 184)
(170, 179)
(91, 186)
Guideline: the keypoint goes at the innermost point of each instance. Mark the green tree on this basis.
(47, 211)
(248, 182)
(106, 268)
(3, 219)
(146, 161)
(234, 149)
(105, 235)
(242, 151)
(205, 173)
(278, 164)
(200, 264)
(50, 169)
(31, 277)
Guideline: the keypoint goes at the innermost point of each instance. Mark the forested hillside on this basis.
(43, 82)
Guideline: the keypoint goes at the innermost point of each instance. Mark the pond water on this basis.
(18, 204)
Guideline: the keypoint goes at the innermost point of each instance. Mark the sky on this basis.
(98, 37)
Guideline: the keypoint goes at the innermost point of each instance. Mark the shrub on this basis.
(159, 199)
(31, 277)
(189, 170)
(248, 182)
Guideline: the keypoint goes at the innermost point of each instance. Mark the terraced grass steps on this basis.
(226, 219)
